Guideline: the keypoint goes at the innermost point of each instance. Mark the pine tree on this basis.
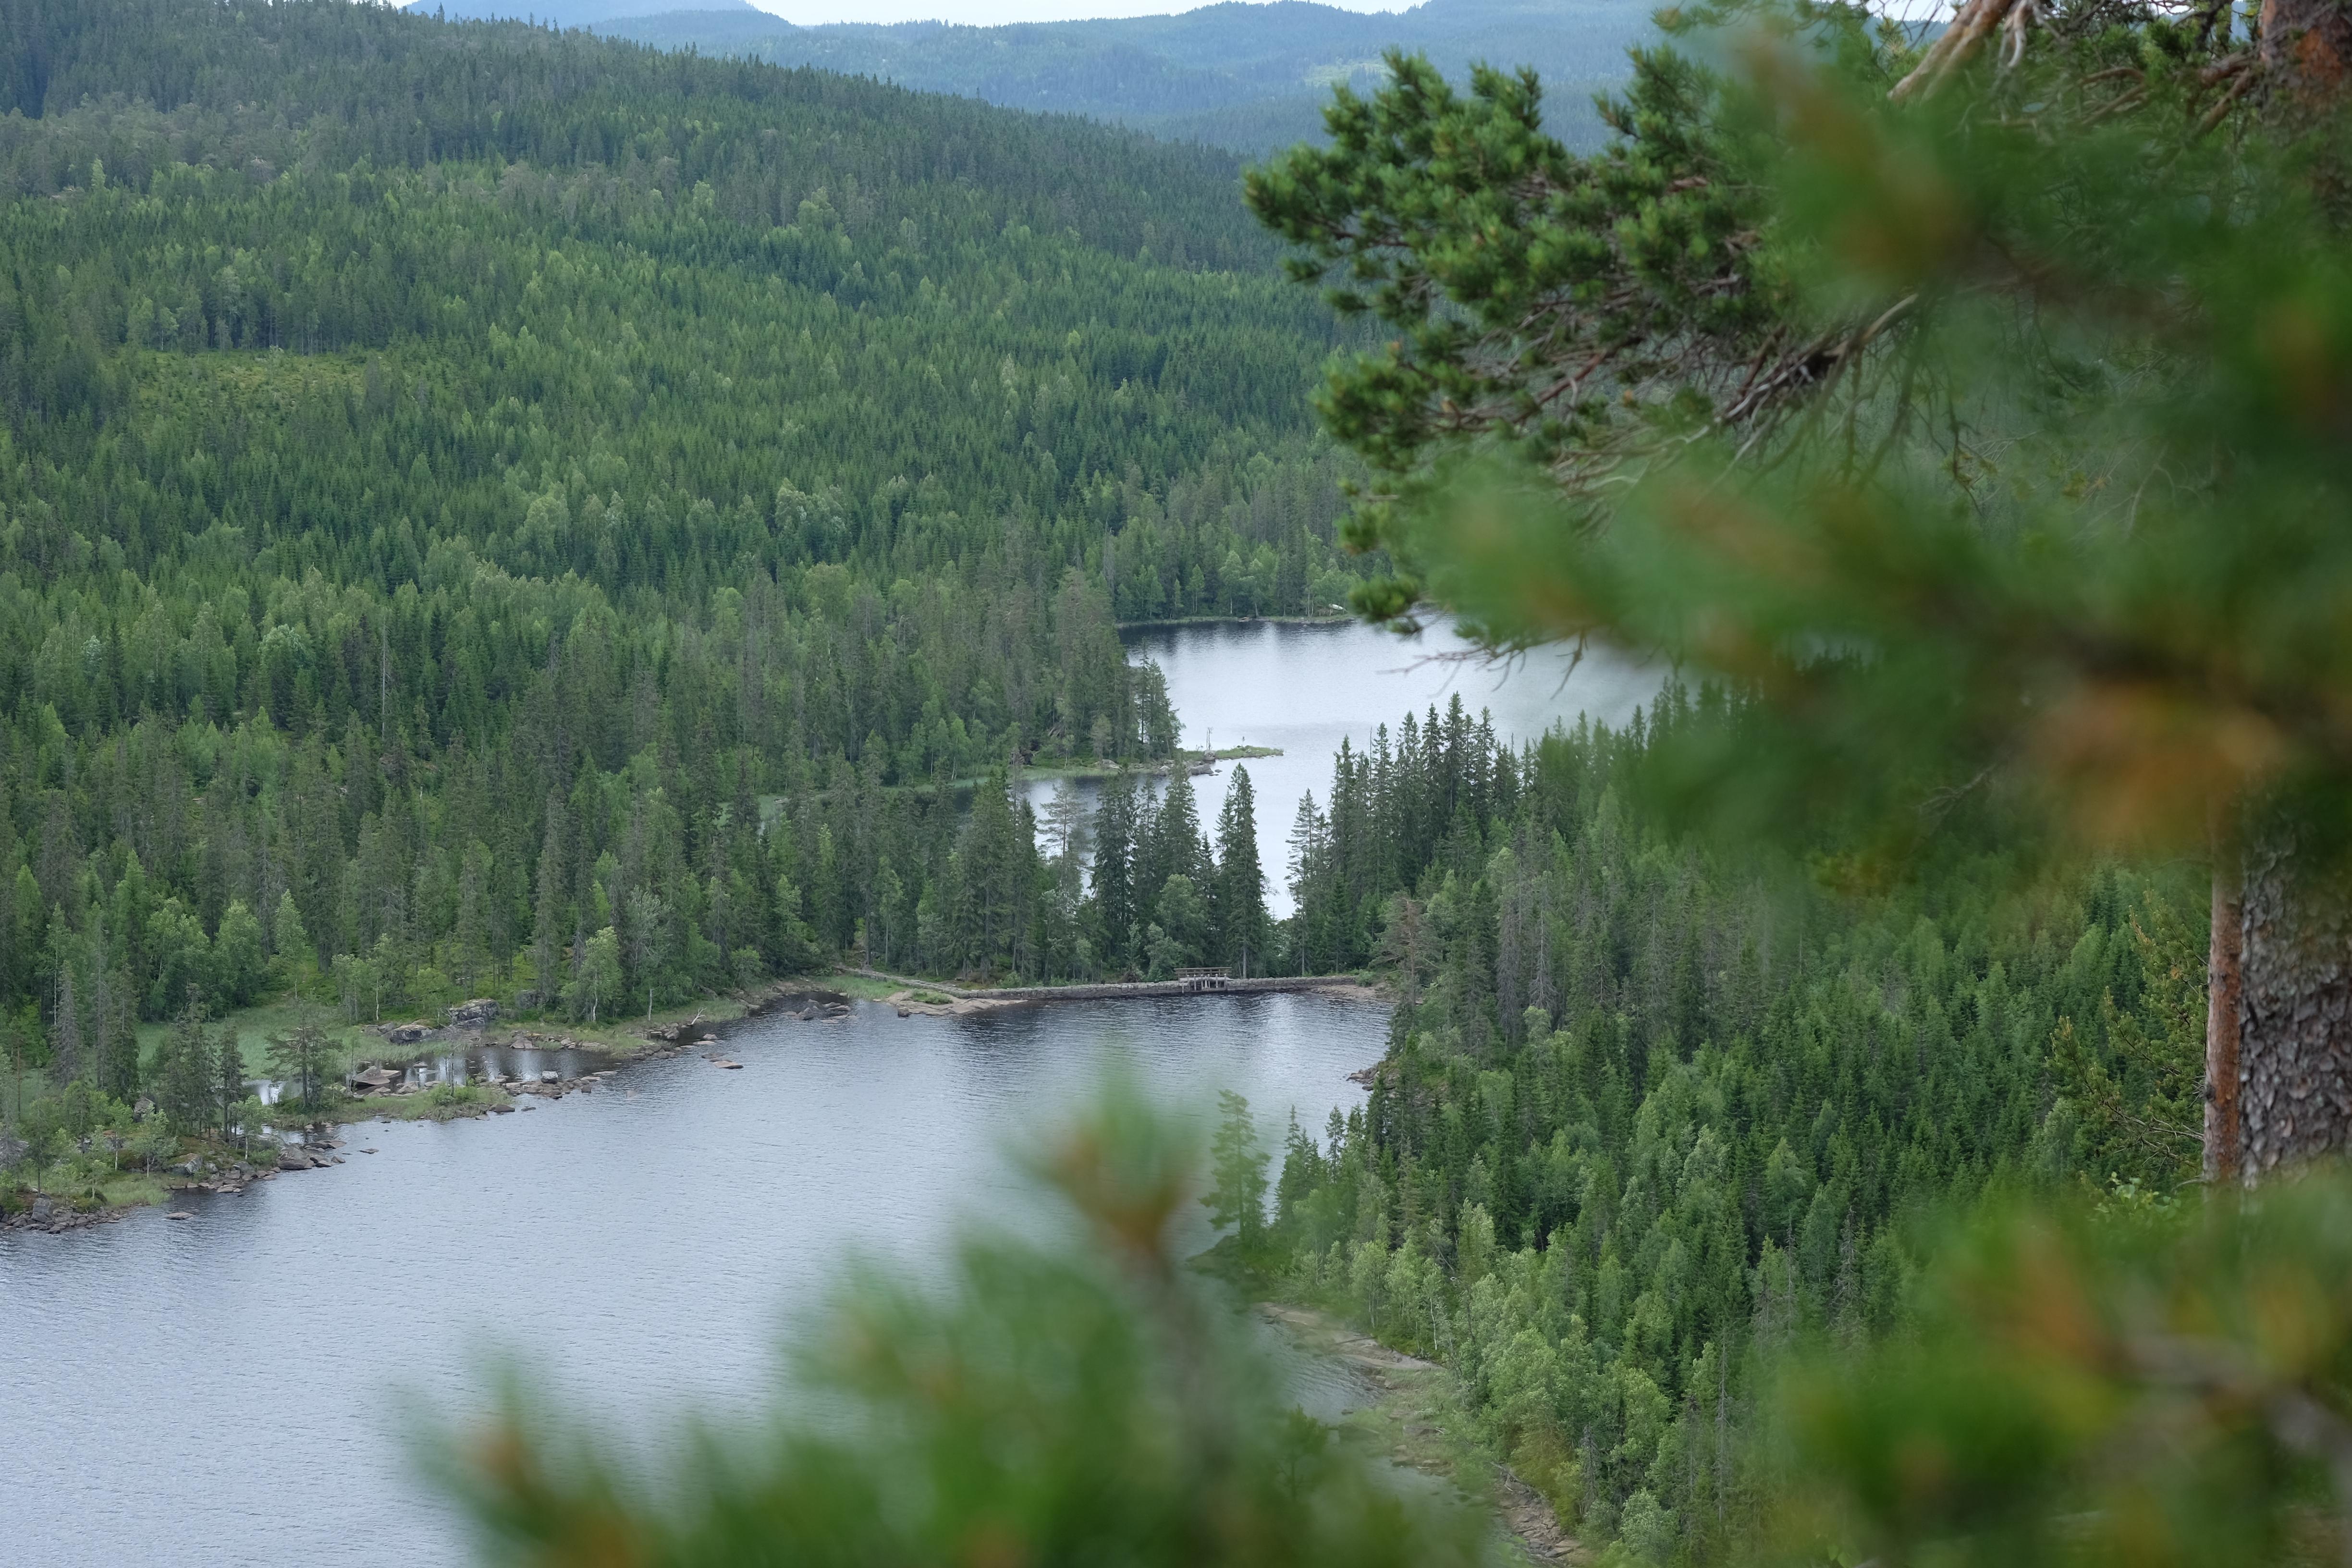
(599, 978)
(185, 1070)
(1236, 1196)
(547, 916)
(649, 940)
(1312, 887)
(1591, 422)
(229, 1075)
(1169, 844)
(1114, 903)
(65, 1029)
(116, 1007)
(290, 941)
(303, 1060)
(1238, 907)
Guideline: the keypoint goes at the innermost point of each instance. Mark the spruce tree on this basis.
(116, 1006)
(1236, 1196)
(1238, 911)
(228, 1084)
(1114, 902)
(1171, 845)
(65, 1029)
(303, 1060)
(186, 1068)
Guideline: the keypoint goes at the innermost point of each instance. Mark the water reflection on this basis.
(222, 1390)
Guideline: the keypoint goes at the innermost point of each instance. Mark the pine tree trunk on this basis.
(2224, 1144)
(2293, 1026)
(2294, 1013)
(2307, 46)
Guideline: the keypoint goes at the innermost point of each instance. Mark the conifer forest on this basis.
(602, 546)
(482, 487)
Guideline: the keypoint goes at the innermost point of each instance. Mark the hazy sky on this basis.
(983, 12)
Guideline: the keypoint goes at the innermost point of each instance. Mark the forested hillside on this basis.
(456, 478)
(1654, 1107)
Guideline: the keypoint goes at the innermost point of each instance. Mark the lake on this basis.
(1303, 689)
(230, 1388)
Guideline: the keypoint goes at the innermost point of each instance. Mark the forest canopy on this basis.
(459, 482)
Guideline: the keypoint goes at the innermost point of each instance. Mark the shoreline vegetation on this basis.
(228, 1164)
(1191, 762)
(392, 1050)
(1417, 1416)
(1015, 910)
(1176, 623)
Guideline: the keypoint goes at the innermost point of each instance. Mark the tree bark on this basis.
(2295, 1011)
(2224, 1135)
(2307, 46)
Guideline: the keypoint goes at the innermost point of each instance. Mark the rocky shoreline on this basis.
(1412, 1399)
(385, 1088)
(200, 1174)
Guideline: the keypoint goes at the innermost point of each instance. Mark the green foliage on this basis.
(1238, 916)
(456, 481)
(1961, 423)
(187, 1070)
(2017, 1427)
(1084, 1396)
(228, 1082)
(1987, 431)
(1237, 1198)
(1394, 809)
(1549, 305)
(455, 1096)
(1656, 1110)
(599, 975)
(305, 1061)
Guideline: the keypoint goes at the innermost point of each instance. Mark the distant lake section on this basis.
(1304, 688)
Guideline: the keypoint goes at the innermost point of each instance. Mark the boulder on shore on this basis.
(477, 1013)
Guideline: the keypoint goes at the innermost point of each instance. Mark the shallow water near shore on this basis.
(230, 1388)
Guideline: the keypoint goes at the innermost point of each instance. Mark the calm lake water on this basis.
(230, 1389)
(1303, 689)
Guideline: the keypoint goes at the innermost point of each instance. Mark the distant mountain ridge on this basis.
(1249, 77)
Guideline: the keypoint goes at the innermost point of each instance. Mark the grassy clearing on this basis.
(253, 1025)
(131, 1190)
(864, 989)
(626, 1034)
(442, 1103)
(621, 1034)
